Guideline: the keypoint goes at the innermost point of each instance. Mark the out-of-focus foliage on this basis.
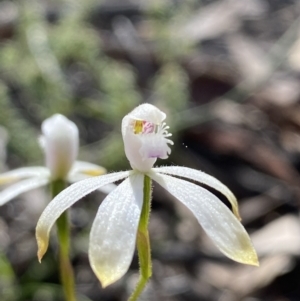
(7, 279)
(22, 135)
(171, 92)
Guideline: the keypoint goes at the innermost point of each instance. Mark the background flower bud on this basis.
(60, 141)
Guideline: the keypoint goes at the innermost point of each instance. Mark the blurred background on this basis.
(226, 72)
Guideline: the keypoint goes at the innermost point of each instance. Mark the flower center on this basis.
(143, 127)
(154, 139)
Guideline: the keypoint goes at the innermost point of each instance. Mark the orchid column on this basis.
(60, 142)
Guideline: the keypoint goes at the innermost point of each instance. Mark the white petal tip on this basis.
(253, 260)
(41, 252)
(236, 212)
(106, 278)
(42, 242)
(248, 256)
(105, 284)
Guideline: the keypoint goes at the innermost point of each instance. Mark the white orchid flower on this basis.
(60, 141)
(114, 231)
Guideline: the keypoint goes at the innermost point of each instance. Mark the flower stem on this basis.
(63, 232)
(143, 242)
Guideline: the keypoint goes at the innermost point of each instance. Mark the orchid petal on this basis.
(203, 178)
(113, 234)
(87, 168)
(220, 224)
(23, 186)
(66, 199)
(22, 173)
(73, 178)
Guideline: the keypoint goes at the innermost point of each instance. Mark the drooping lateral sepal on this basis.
(113, 234)
(203, 178)
(66, 199)
(224, 229)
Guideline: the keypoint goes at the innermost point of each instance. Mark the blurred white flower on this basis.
(114, 231)
(60, 142)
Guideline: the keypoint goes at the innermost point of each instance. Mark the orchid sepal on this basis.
(224, 229)
(66, 199)
(203, 178)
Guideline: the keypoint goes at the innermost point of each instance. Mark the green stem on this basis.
(143, 242)
(63, 232)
